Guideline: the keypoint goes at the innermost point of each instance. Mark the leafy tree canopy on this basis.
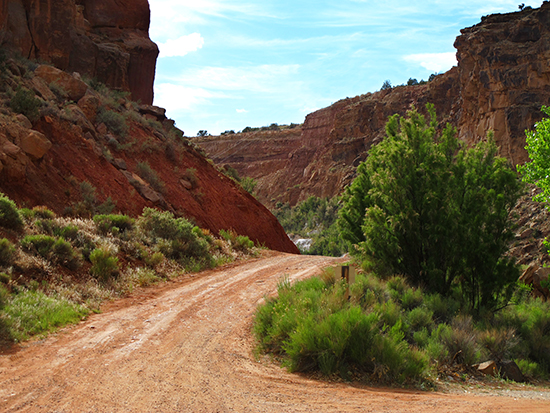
(424, 206)
(538, 147)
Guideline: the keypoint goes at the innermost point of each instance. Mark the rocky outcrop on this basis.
(501, 82)
(504, 77)
(103, 39)
(79, 158)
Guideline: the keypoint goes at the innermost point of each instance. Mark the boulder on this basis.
(35, 145)
(156, 112)
(533, 276)
(489, 368)
(89, 104)
(509, 370)
(41, 88)
(75, 88)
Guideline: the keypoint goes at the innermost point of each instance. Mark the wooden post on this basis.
(347, 272)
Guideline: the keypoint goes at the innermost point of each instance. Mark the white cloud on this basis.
(242, 111)
(181, 46)
(435, 62)
(262, 78)
(178, 97)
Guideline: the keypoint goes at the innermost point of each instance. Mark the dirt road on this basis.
(187, 347)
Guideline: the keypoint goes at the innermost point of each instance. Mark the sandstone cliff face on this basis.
(504, 77)
(501, 82)
(104, 39)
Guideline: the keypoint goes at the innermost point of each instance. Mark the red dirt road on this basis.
(187, 347)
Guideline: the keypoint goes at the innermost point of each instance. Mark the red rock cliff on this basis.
(104, 39)
(501, 82)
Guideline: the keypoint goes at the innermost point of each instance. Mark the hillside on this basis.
(72, 144)
(500, 83)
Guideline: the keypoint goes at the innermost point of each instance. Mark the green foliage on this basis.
(238, 242)
(150, 175)
(107, 223)
(25, 101)
(249, 184)
(7, 253)
(104, 264)
(312, 326)
(53, 249)
(175, 237)
(114, 121)
(425, 207)
(315, 219)
(32, 312)
(9, 214)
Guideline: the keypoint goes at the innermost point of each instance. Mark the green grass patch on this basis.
(32, 313)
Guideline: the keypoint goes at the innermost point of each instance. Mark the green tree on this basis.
(538, 147)
(424, 206)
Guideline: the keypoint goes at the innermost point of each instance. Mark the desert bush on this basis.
(7, 253)
(176, 238)
(150, 175)
(53, 249)
(114, 121)
(190, 175)
(106, 223)
(38, 244)
(9, 214)
(43, 212)
(25, 101)
(104, 264)
(69, 232)
(498, 343)
(314, 327)
(238, 242)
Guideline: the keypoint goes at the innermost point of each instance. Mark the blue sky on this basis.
(228, 64)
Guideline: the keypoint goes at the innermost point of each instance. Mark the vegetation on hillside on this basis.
(56, 270)
(430, 223)
(313, 219)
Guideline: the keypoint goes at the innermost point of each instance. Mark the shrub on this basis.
(43, 212)
(53, 249)
(69, 232)
(104, 265)
(9, 214)
(176, 237)
(249, 184)
(25, 101)
(114, 121)
(38, 244)
(106, 223)
(7, 253)
(190, 175)
(150, 175)
(427, 208)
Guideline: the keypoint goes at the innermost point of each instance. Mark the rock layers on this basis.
(500, 83)
(103, 39)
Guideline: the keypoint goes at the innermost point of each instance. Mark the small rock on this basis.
(488, 368)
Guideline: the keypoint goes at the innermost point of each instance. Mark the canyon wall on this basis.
(500, 83)
(103, 39)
